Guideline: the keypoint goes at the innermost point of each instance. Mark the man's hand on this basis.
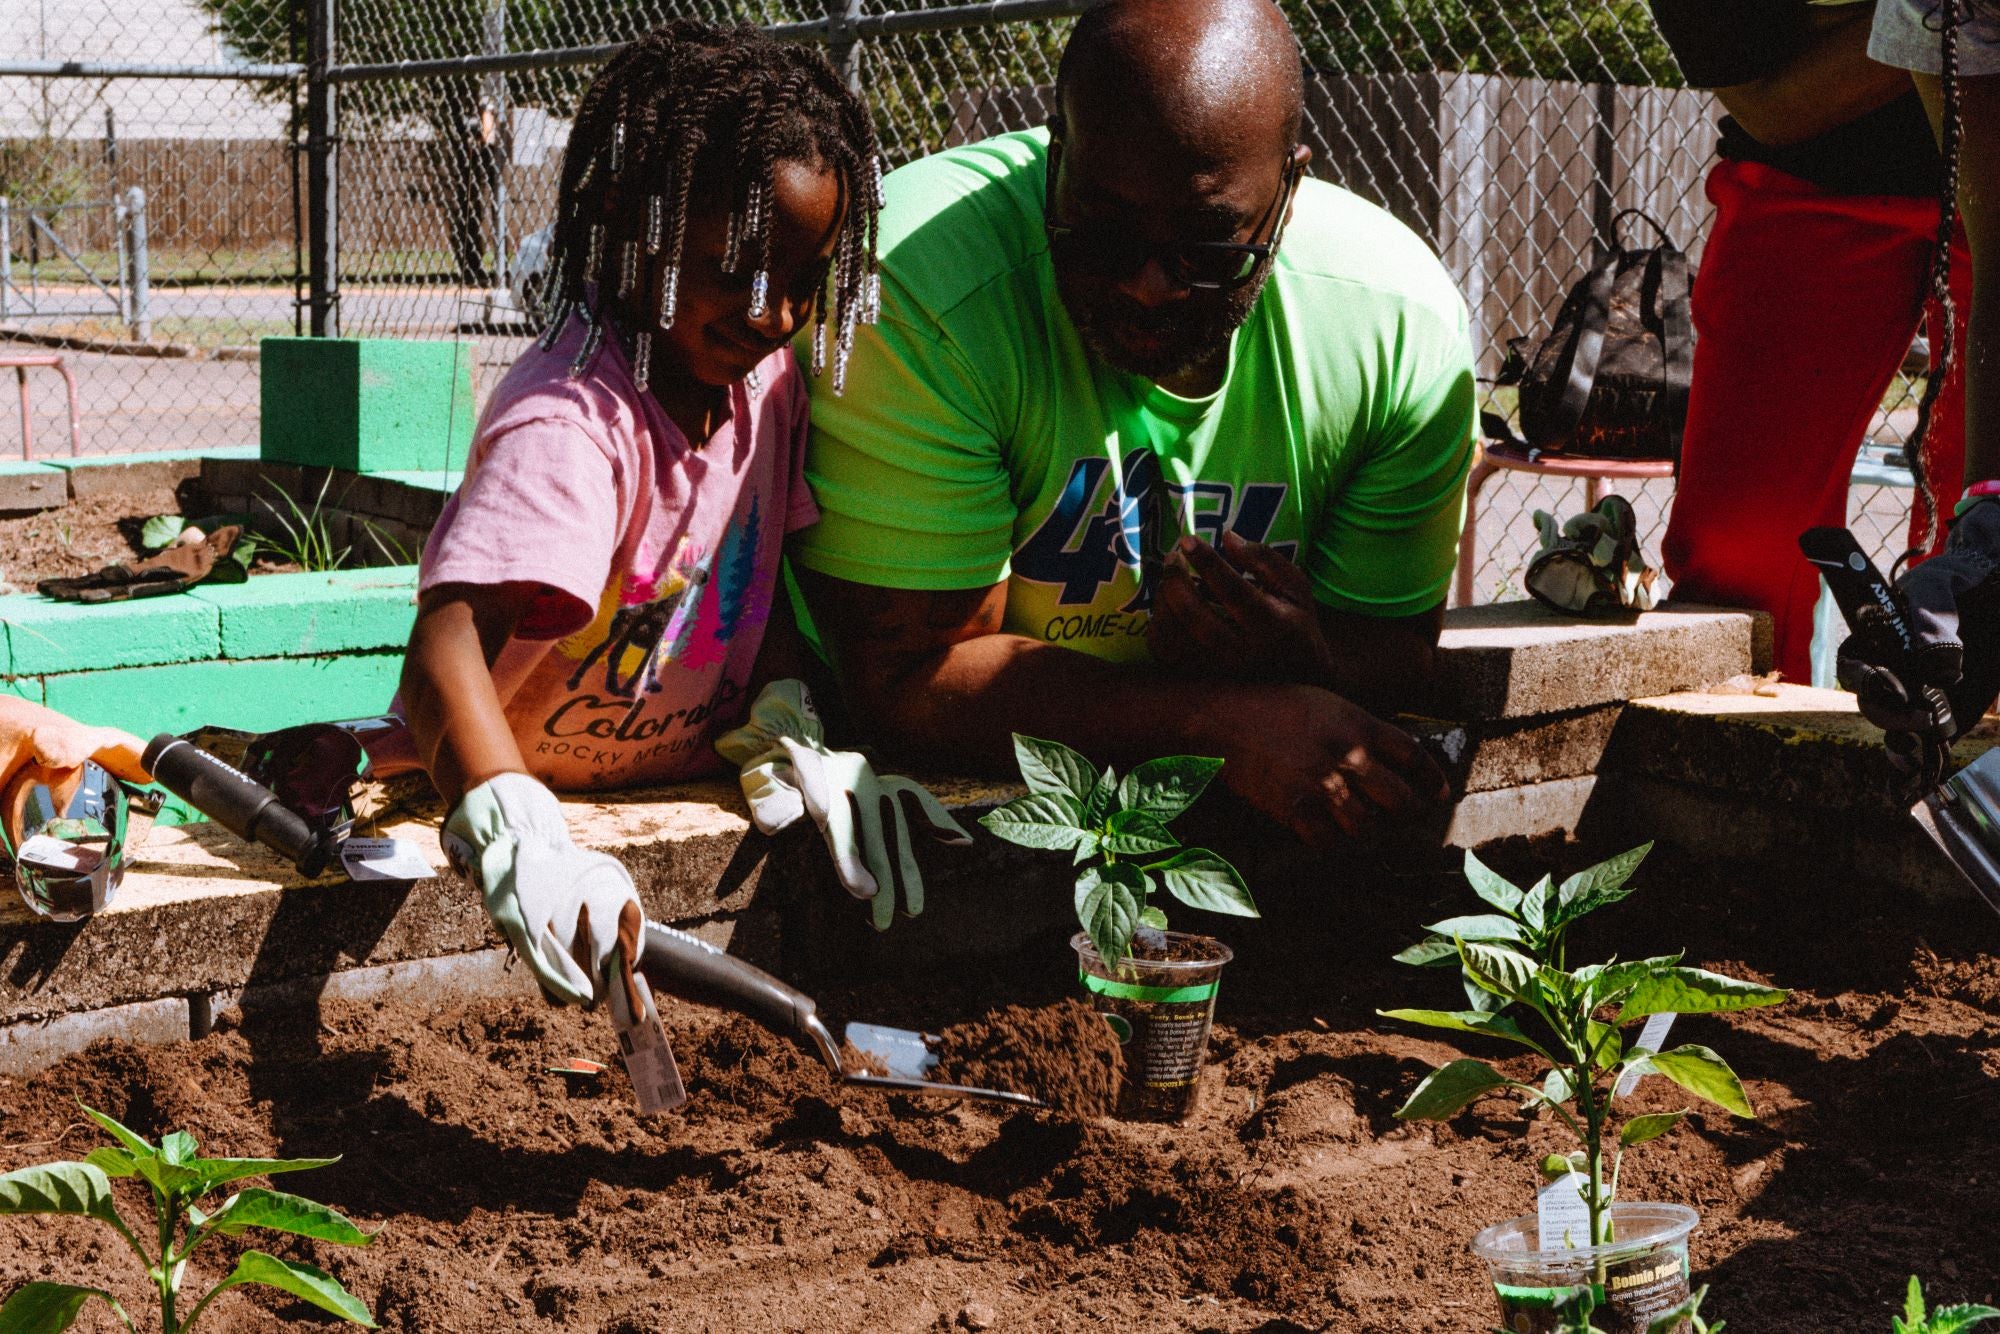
(1325, 768)
(1243, 611)
(1953, 601)
(787, 771)
(563, 909)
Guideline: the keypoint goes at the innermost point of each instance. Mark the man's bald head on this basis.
(1208, 77)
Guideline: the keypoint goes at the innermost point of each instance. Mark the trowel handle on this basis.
(691, 968)
(241, 805)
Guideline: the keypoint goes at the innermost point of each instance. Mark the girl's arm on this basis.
(454, 711)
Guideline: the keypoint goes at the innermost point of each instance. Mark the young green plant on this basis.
(1944, 1320)
(178, 1180)
(1516, 957)
(1073, 807)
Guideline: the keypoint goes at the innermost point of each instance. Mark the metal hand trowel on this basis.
(1960, 810)
(69, 848)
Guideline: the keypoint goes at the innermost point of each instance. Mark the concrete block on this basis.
(389, 498)
(444, 481)
(301, 615)
(1515, 659)
(1487, 756)
(366, 404)
(27, 487)
(1533, 811)
(225, 476)
(25, 687)
(43, 636)
(257, 695)
(451, 980)
(28, 1047)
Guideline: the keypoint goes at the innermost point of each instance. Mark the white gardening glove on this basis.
(559, 906)
(787, 771)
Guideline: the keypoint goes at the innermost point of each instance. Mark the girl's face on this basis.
(714, 341)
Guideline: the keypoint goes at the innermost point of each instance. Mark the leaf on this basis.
(1595, 886)
(221, 1171)
(1498, 970)
(1607, 1045)
(1484, 927)
(1492, 887)
(302, 1281)
(1086, 848)
(112, 1162)
(160, 531)
(1435, 950)
(1913, 1302)
(1536, 902)
(1556, 1089)
(1702, 1073)
(178, 1147)
(1051, 767)
(1203, 879)
(1108, 902)
(1952, 1319)
(1694, 991)
(134, 1144)
(1449, 1090)
(1466, 1021)
(1038, 820)
(1610, 983)
(1153, 917)
(1135, 833)
(1102, 801)
(1643, 1128)
(1164, 788)
(1478, 997)
(78, 1189)
(46, 1308)
(273, 1209)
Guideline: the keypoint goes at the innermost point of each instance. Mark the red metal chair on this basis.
(22, 362)
(1510, 458)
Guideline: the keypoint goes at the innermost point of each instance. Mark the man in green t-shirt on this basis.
(1159, 444)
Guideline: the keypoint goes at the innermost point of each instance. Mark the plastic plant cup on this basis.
(1161, 1008)
(1640, 1276)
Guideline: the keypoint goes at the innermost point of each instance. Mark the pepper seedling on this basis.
(178, 1179)
(1516, 958)
(1072, 806)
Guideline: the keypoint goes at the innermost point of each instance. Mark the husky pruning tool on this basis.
(1958, 808)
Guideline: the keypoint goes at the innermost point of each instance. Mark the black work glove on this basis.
(1952, 602)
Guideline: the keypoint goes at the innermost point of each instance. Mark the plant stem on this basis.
(169, 1277)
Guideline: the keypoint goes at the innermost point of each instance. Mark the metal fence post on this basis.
(140, 291)
(6, 252)
(843, 47)
(322, 180)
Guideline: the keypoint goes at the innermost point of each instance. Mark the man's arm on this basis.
(937, 677)
(1830, 82)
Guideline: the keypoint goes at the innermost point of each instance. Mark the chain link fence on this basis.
(1507, 132)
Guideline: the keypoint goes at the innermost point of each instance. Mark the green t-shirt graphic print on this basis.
(978, 440)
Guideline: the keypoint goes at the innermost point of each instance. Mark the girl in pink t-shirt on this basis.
(600, 598)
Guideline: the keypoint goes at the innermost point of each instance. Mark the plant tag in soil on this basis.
(1652, 1037)
(383, 859)
(1562, 1218)
(642, 1041)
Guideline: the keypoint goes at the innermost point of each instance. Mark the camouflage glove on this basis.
(1592, 565)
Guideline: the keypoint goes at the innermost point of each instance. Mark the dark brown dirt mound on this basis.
(1063, 1054)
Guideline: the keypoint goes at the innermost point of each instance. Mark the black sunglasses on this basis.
(1109, 252)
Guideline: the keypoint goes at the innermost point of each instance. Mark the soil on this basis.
(510, 1198)
(1064, 1055)
(84, 536)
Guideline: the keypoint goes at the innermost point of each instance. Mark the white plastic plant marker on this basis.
(1652, 1037)
(1562, 1215)
(902, 1051)
(383, 859)
(642, 1041)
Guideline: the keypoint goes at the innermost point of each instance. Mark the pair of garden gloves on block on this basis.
(568, 911)
(174, 570)
(1592, 565)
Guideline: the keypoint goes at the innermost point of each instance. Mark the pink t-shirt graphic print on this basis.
(656, 562)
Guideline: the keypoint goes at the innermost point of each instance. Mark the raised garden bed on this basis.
(517, 1199)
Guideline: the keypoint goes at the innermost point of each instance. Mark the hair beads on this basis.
(732, 248)
(596, 254)
(618, 148)
(670, 295)
(628, 268)
(656, 223)
(760, 295)
(642, 359)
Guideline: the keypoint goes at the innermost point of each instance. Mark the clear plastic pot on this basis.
(1162, 1008)
(1639, 1276)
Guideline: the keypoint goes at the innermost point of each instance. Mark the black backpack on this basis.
(1611, 378)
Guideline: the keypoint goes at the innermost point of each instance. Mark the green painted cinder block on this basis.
(301, 615)
(367, 404)
(26, 687)
(255, 696)
(39, 636)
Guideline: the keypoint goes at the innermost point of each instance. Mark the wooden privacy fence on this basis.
(1512, 181)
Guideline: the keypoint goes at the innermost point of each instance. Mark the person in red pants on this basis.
(1808, 294)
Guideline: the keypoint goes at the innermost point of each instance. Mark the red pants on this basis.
(1804, 305)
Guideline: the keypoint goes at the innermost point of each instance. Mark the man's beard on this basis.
(1159, 342)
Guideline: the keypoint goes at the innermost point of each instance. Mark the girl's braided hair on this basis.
(693, 109)
(1948, 17)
